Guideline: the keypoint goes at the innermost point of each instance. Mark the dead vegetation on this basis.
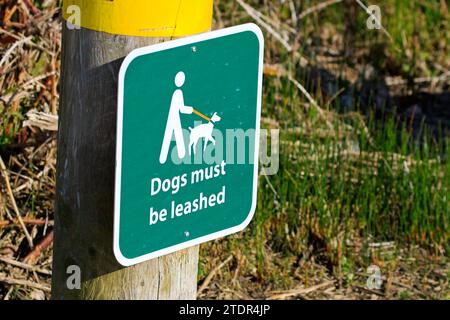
(29, 71)
(406, 274)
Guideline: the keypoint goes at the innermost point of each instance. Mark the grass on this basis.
(362, 182)
(339, 191)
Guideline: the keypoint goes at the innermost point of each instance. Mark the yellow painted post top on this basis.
(147, 18)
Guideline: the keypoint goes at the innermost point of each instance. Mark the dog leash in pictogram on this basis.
(201, 115)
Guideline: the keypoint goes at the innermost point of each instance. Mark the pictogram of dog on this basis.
(203, 131)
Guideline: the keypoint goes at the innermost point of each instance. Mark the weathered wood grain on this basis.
(85, 181)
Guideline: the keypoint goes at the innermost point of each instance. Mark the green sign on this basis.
(187, 142)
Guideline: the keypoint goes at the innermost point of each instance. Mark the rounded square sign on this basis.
(187, 142)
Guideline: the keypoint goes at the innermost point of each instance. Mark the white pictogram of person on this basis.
(173, 125)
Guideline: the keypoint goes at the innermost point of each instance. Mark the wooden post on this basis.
(85, 181)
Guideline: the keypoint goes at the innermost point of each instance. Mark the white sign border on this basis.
(118, 170)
